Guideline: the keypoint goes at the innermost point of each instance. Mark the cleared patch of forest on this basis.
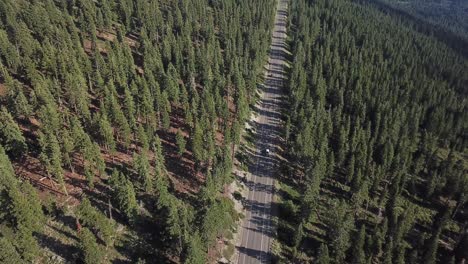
(377, 140)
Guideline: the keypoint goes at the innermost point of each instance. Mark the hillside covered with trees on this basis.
(118, 125)
(452, 15)
(377, 139)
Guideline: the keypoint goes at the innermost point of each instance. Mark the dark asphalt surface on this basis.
(257, 228)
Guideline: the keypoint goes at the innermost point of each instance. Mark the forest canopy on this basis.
(377, 138)
(124, 116)
(120, 120)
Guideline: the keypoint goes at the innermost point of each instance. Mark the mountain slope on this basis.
(122, 115)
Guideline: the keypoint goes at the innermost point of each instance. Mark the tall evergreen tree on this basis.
(90, 250)
(359, 255)
(10, 135)
(180, 141)
(323, 255)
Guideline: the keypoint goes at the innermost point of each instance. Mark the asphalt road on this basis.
(257, 227)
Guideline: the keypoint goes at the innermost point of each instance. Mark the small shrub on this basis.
(229, 251)
(229, 235)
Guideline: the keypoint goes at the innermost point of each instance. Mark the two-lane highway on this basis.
(257, 228)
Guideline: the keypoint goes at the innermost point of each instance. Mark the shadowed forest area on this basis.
(452, 15)
(377, 138)
(118, 124)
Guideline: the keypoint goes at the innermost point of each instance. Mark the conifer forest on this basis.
(130, 132)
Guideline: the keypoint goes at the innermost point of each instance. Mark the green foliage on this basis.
(84, 75)
(218, 219)
(106, 133)
(91, 253)
(229, 251)
(195, 251)
(299, 235)
(142, 138)
(95, 220)
(10, 135)
(288, 209)
(143, 169)
(8, 253)
(197, 143)
(21, 214)
(340, 223)
(51, 156)
(90, 151)
(359, 256)
(447, 15)
(180, 141)
(124, 194)
(323, 255)
(374, 123)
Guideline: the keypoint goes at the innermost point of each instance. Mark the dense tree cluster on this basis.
(85, 84)
(20, 218)
(377, 136)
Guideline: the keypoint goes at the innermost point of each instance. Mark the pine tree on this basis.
(67, 145)
(95, 220)
(106, 133)
(180, 141)
(8, 253)
(174, 221)
(430, 254)
(143, 138)
(323, 256)
(21, 106)
(400, 254)
(143, 169)
(340, 223)
(22, 214)
(350, 169)
(91, 253)
(388, 252)
(197, 143)
(126, 199)
(165, 111)
(171, 85)
(159, 166)
(207, 194)
(10, 135)
(298, 236)
(195, 251)
(130, 111)
(121, 122)
(359, 256)
(51, 156)
(145, 101)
